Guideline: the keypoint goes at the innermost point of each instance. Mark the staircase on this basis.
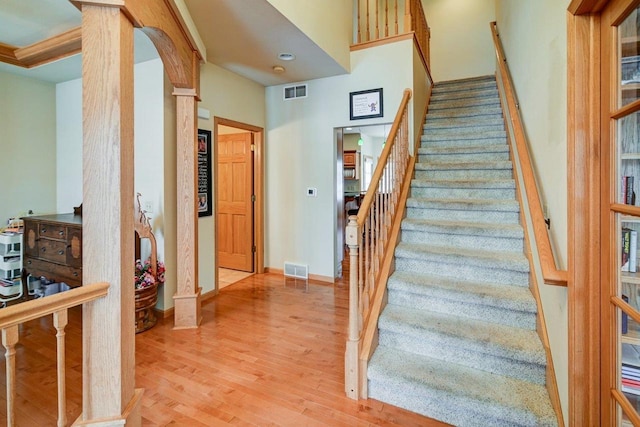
(457, 339)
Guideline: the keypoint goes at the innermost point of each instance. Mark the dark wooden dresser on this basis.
(53, 247)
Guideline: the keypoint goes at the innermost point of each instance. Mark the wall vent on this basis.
(300, 271)
(292, 92)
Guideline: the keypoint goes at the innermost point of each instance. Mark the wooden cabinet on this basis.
(351, 162)
(53, 247)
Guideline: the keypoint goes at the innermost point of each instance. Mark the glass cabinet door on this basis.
(621, 334)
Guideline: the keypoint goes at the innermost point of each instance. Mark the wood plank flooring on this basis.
(270, 352)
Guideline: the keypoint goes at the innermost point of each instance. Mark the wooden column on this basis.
(108, 202)
(187, 297)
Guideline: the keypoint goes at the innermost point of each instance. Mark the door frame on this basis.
(588, 282)
(258, 190)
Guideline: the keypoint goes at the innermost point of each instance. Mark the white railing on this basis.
(368, 236)
(58, 304)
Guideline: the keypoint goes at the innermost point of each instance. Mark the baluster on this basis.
(396, 18)
(359, 25)
(60, 320)
(9, 340)
(386, 18)
(368, 20)
(377, 22)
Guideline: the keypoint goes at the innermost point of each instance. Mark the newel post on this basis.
(352, 353)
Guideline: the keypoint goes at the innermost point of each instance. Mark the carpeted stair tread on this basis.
(444, 136)
(446, 104)
(465, 292)
(469, 149)
(468, 183)
(464, 228)
(465, 204)
(461, 142)
(469, 165)
(456, 394)
(435, 123)
(474, 335)
(444, 129)
(466, 112)
(488, 92)
(512, 261)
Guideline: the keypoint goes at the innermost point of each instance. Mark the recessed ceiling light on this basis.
(278, 69)
(349, 128)
(287, 56)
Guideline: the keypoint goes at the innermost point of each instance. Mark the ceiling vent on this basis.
(292, 92)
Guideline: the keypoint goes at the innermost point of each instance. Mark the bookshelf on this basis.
(627, 176)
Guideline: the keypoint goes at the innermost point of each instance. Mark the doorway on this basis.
(239, 230)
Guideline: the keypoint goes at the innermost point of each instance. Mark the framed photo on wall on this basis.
(365, 104)
(204, 173)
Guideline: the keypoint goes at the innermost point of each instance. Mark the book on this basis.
(633, 252)
(626, 248)
(628, 195)
(625, 322)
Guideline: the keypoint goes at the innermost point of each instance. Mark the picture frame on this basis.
(366, 104)
(204, 202)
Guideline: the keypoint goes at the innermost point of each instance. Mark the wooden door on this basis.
(235, 205)
(620, 213)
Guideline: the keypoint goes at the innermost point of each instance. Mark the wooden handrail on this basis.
(365, 206)
(34, 309)
(551, 273)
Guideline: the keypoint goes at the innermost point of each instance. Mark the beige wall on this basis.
(328, 23)
(229, 96)
(27, 146)
(534, 38)
(461, 43)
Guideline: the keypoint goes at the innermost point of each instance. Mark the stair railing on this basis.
(383, 19)
(58, 304)
(368, 235)
(550, 271)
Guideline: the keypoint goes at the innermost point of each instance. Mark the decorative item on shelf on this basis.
(148, 275)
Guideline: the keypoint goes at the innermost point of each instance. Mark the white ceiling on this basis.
(259, 32)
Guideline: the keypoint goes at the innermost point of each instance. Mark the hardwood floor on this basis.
(270, 352)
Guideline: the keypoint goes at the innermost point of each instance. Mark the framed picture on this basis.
(204, 173)
(365, 104)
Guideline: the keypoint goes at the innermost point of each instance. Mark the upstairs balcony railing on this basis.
(378, 20)
(57, 305)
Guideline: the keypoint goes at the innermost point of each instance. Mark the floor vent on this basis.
(299, 271)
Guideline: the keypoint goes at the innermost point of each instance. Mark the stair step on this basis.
(464, 170)
(491, 347)
(459, 135)
(463, 234)
(456, 394)
(460, 156)
(483, 210)
(447, 104)
(479, 111)
(506, 268)
(488, 92)
(507, 305)
(455, 142)
(462, 123)
(444, 129)
(464, 189)
(464, 84)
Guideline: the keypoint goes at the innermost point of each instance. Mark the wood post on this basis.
(187, 297)
(353, 343)
(108, 255)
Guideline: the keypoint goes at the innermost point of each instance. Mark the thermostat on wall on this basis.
(312, 192)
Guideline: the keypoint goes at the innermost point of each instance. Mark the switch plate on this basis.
(312, 192)
(148, 207)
